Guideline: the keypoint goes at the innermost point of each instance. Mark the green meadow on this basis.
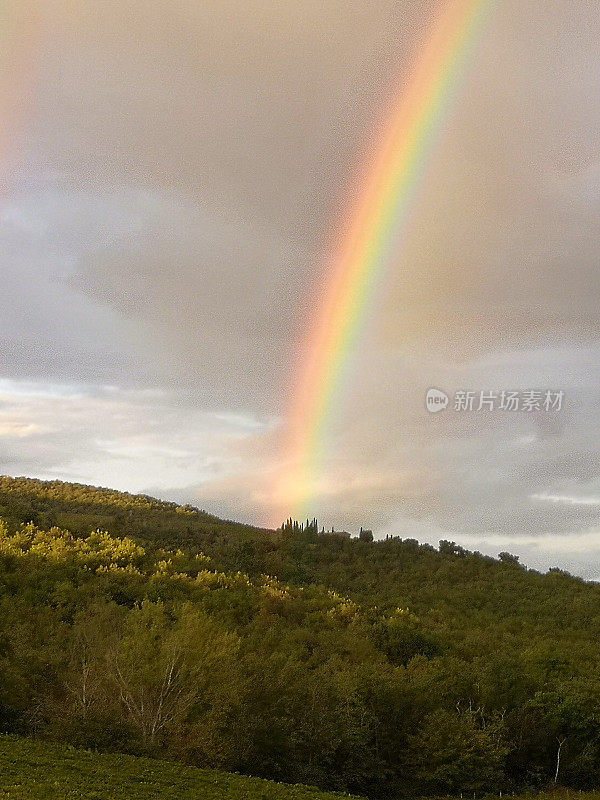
(31, 770)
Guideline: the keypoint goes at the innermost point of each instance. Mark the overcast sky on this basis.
(172, 176)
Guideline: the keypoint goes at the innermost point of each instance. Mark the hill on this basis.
(380, 668)
(81, 508)
(41, 771)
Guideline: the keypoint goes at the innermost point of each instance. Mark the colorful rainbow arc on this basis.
(371, 239)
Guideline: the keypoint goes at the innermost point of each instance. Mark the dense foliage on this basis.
(381, 668)
(36, 771)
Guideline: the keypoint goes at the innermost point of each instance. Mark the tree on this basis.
(165, 664)
(93, 634)
(508, 558)
(454, 753)
(365, 535)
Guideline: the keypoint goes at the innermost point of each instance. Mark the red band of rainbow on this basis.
(371, 240)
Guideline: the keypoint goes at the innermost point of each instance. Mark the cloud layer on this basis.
(171, 199)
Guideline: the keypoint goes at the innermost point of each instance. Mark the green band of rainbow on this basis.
(372, 238)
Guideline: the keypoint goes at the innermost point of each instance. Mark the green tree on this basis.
(454, 753)
(165, 664)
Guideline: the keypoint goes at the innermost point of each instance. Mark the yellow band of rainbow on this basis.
(370, 241)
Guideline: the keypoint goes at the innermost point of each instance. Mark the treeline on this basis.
(381, 668)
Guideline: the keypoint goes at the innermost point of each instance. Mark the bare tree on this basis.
(162, 666)
(561, 740)
(156, 704)
(93, 632)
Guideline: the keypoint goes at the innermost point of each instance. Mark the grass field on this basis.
(31, 770)
(38, 771)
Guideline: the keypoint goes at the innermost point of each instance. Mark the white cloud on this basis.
(567, 500)
(111, 437)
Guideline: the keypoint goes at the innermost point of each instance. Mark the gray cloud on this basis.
(173, 198)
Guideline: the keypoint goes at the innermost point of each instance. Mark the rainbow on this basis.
(370, 240)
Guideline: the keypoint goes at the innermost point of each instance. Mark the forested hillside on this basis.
(382, 668)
